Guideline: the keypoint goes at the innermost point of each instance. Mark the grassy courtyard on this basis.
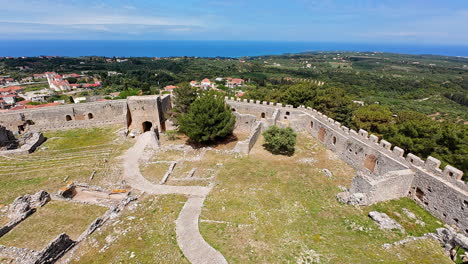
(277, 209)
(48, 222)
(65, 156)
(142, 235)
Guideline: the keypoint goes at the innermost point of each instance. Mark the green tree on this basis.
(374, 118)
(208, 119)
(299, 94)
(184, 96)
(335, 103)
(280, 140)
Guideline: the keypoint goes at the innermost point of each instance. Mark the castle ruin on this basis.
(384, 173)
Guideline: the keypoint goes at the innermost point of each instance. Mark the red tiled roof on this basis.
(23, 102)
(11, 89)
(206, 80)
(170, 87)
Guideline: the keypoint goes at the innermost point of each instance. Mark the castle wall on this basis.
(144, 109)
(441, 192)
(131, 113)
(66, 116)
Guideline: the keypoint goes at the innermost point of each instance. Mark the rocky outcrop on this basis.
(22, 207)
(384, 221)
(55, 249)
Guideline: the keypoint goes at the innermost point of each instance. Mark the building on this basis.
(11, 90)
(234, 83)
(74, 75)
(170, 88)
(60, 85)
(39, 76)
(206, 83)
(9, 99)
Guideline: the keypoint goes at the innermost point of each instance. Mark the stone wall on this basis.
(245, 146)
(132, 113)
(6, 136)
(440, 191)
(28, 144)
(65, 116)
(144, 109)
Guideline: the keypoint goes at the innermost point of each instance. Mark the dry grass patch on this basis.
(147, 233)
(51, 220)
(154, 172)
(71, 155)
(4, 220)
(280, 210)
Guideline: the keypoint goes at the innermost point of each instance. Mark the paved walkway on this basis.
(190, 241)
(133, 176)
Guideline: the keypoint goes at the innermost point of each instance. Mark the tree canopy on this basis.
(208, 119)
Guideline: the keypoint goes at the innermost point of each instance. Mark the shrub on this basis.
(208, 119)
(171, 134)
(280, 140)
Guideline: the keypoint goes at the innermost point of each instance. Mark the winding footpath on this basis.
(189, 239)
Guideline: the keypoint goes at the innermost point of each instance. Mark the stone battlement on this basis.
(440, 190)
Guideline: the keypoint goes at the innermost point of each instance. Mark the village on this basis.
(16, 94)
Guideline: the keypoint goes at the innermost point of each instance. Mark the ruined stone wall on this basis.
(132, 113)
(66, 116)
(245, 146)
(5, 136)
(244, 122)
(143, 109)
(441, 192)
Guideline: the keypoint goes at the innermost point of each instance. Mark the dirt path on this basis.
(134, 178)
(189, 239)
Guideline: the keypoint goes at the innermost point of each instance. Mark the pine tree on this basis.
(208, 119)
(183, 98)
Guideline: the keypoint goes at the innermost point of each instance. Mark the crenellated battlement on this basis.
(440, 190)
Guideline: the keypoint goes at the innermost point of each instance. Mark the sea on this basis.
(176, 48)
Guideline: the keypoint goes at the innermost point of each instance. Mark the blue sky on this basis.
(374, 21)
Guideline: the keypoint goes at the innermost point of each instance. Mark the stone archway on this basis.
(147, 126)
(369, 162)
(321, 134)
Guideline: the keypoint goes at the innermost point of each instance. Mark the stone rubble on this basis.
(384, 221)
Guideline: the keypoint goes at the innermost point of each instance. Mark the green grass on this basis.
(149, 234)
(76, 138)
(72, 155)
(278, 209)
(48, 222)
(36, 87)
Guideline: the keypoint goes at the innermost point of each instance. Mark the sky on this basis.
(360, 21)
